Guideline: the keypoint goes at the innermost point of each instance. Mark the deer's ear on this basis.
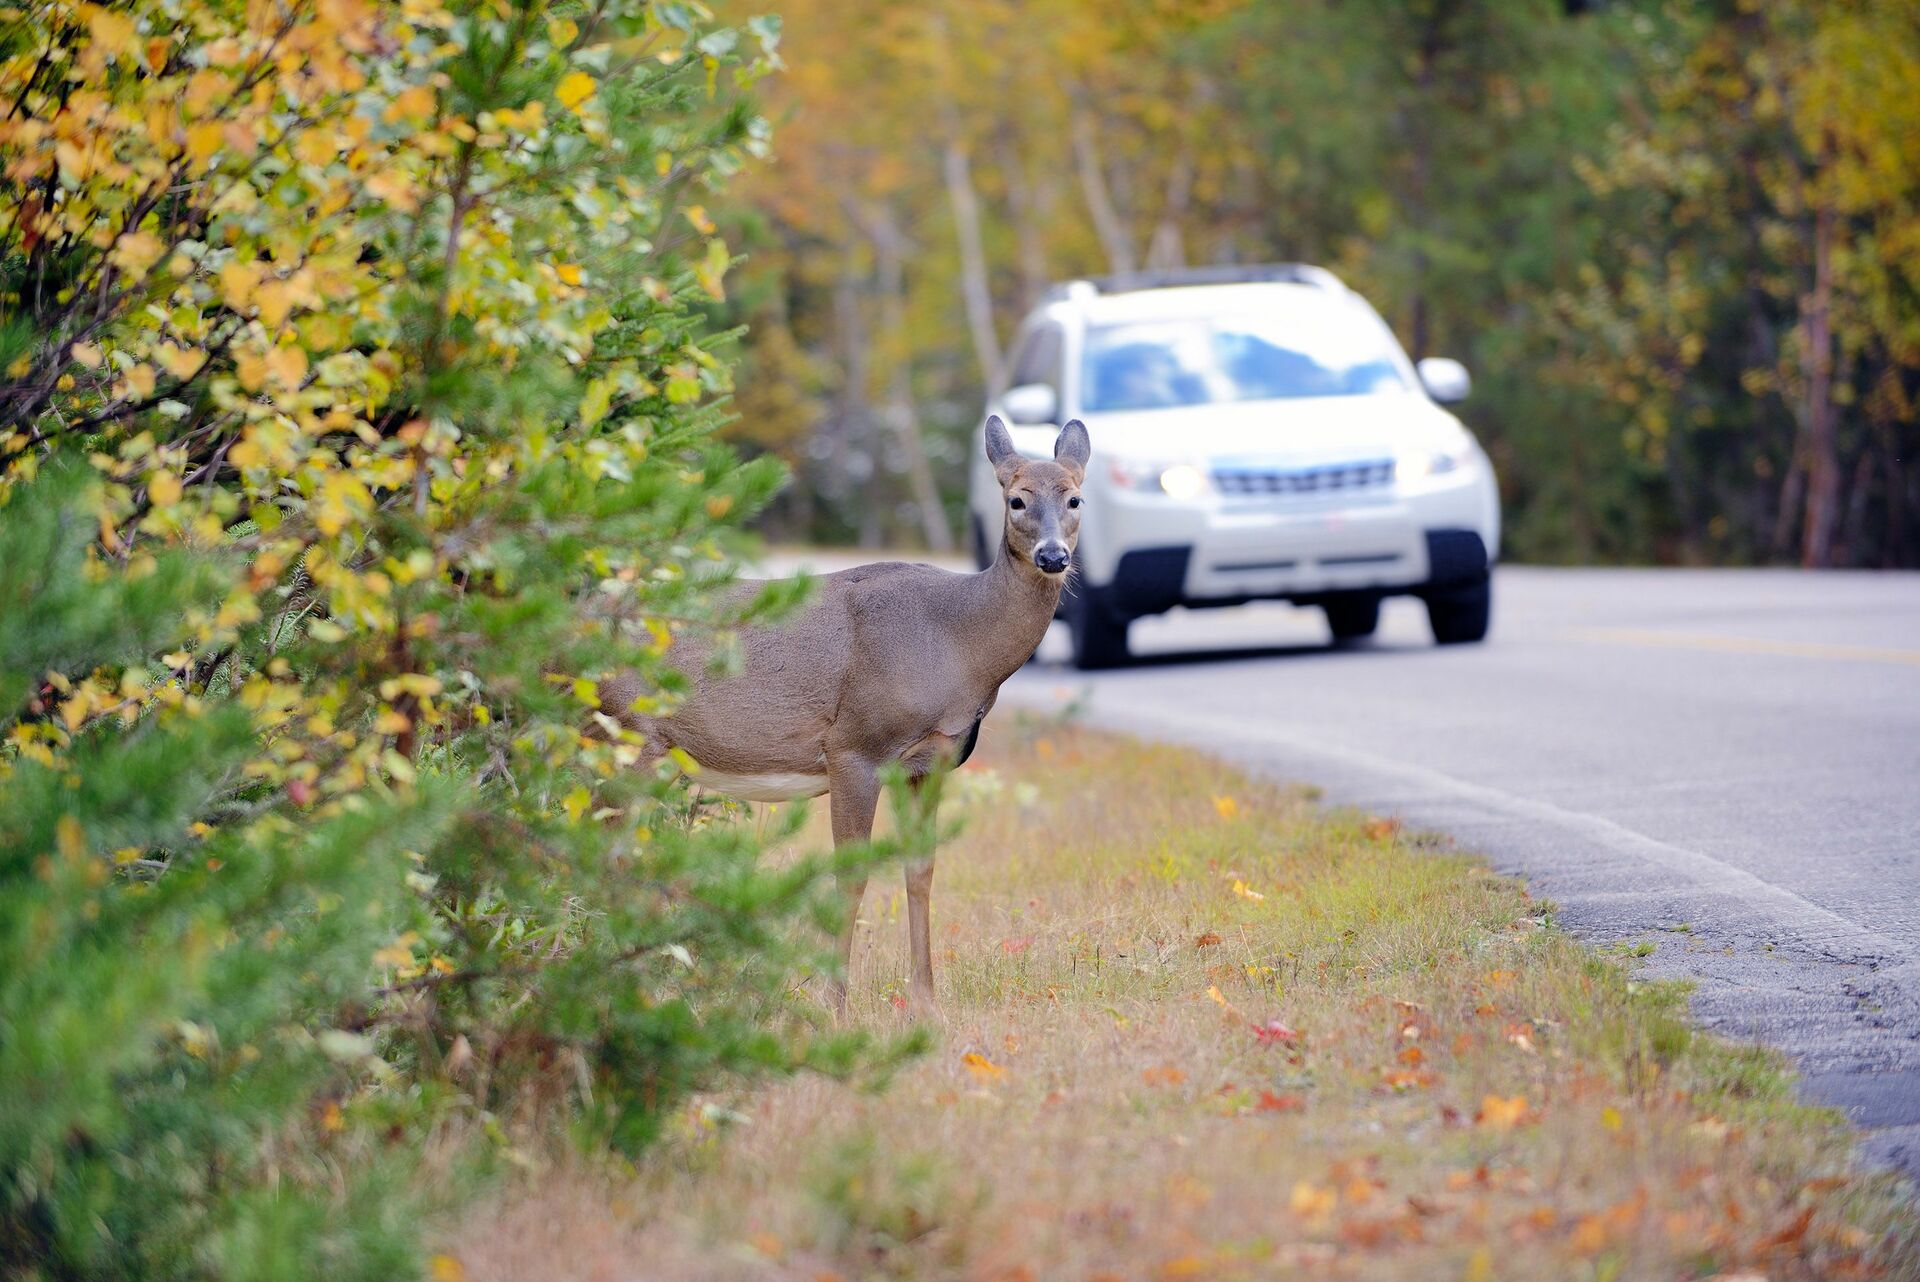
(1073, 447)
(1000, 449)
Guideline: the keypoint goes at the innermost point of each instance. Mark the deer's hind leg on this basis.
(853, 795)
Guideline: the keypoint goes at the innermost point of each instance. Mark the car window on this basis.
(1039, 359)
(1334, 350)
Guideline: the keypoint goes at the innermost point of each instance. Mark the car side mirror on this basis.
(1446, 380)
(1031, 404)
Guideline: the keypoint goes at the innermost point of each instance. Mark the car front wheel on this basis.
(1099, 634)
(1352, 616)
(1461, 613)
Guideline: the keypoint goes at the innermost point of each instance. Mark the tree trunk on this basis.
(1093, 182)
(1166, 250)
(851, 458)
(1028, 206)
(1823, 460)
(889, 248)
(975, 288)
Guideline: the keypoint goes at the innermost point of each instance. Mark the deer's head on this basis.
(1043, 496)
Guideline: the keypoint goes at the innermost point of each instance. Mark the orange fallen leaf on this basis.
(1312, 1202)
(982, 1067)
(1411, 1055)
(1207, 940)
(1163, 1075)
(1502, 1113)
(1288, 1103)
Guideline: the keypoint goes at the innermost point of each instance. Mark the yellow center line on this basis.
(1748, 645)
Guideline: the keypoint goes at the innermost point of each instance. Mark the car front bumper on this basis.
(1151, 554)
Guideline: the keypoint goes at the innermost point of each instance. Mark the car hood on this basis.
(1305, 431)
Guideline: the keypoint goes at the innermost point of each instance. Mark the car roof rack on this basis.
(1221, 274)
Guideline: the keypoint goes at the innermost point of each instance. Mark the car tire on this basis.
(1460, 614)
(1099, 633)
(1352, 616)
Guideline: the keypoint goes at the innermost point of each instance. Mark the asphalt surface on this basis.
(1725, 764)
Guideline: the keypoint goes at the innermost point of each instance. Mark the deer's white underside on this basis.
(763, 787)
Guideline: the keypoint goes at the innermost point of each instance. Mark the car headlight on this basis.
(1424, 463)
(1176, 480)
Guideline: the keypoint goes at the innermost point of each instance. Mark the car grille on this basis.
(1333, 478)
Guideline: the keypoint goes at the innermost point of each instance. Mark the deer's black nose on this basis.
(1051, 557)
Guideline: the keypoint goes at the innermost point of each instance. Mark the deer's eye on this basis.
(1074, 501)
(1017, 504)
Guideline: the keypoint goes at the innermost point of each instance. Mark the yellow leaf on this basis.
(568, 272)
(203, 140)
(697, 215)
(136, 252)
(446, 1268)
(164, 489)
(1611, 1119)
(287, 366)
(1226, 807)
(140, 382)
(982, 1067)
(576, 802)
(574, 88)
(181, 362)
(1241, 889)
(87, 354)
(412, 103)
(316, 147)
(70, 837)
(111, 31)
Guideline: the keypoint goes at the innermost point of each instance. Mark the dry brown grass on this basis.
(1448, 1088)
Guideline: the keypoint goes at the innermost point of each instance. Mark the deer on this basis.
(886, 664)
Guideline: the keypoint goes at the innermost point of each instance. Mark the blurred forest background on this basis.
(1678, 244)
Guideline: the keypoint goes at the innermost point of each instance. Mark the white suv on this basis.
(1257, 434)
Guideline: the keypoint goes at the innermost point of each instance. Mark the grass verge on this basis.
(1196, 1027)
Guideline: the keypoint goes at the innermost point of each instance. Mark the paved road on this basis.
(1733, 752)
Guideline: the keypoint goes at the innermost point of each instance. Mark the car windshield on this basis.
(1206, 360)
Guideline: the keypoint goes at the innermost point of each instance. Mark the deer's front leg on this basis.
(919, 907)
(853, 794)
(919, 928)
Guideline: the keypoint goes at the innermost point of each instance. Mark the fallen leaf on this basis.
(1502, 1114)
(982, 1067)
(1207, 940)
(1312, 1202)
(1014, 947)
(1226, 806)
(1241, 889)
(1610, 1118)
(1289, 1103)
(1163, 1075)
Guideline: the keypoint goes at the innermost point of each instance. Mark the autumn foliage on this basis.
(358, 390)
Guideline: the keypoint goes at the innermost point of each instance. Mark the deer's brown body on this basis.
(888, 663)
